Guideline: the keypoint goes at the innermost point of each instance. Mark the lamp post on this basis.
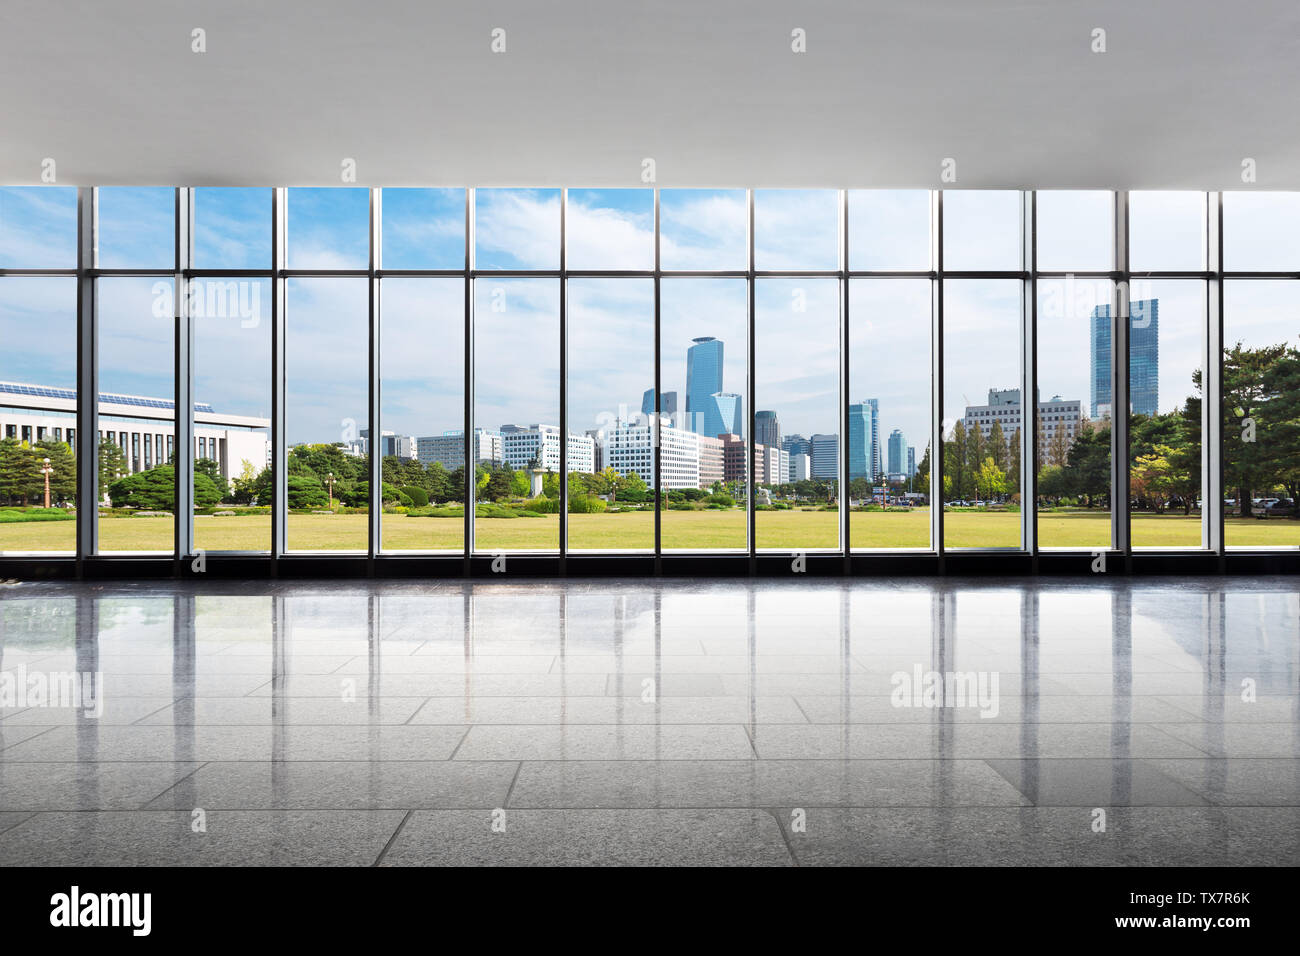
(330, 480)
(47, 469)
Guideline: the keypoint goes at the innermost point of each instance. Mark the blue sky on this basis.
(611, 332)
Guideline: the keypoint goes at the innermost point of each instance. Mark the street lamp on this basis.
(47, 469)
(330, 479)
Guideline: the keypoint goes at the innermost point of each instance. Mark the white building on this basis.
(143, 427)
(630, 448)
(799, 468)
(522, 446)
(448, 449)
(1004, 407)
(773, 465)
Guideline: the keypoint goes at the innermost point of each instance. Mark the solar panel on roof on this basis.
(71, 395)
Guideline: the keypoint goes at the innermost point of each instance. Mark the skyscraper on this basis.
(876, 463)
(861, 442)
(1144, 358)
(669, 408)
(723, 415)
(825, 456)
(703, 380)
(911, 461)
(897, 453)
(767, 429)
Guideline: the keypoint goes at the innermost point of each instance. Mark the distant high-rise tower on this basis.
(897, 453)
(911, 461)
(669, 409)
(1144, 358)
(825, 456)
(876, 463)
(724, 415)
(861, 442)
(703, 381)
(767, 429)
(796, 445)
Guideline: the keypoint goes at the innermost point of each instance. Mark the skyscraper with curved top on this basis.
(703, 381)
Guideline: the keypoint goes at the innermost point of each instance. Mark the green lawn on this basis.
(682, 530)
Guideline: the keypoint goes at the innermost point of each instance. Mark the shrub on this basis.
(419, 497)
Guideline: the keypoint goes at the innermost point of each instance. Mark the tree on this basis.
(19, 470)
(304, 492)
(1013, 468)
(998, 445)
(922, 479)
(990, 480)
(210, 469)
(112, 463)
(244, 491)
(1246, 429)
(519, 484)
(1058, 446)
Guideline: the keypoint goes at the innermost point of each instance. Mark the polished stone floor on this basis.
(953, 722)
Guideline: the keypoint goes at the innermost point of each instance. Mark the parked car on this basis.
(1280, 507)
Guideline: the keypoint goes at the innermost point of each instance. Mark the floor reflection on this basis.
(965, 722)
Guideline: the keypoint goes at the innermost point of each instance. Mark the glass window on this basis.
(889, 229)
(326, 392)
(232, 228)
(328, 228)
(38, 227)
(1166, 231)
(981, 329)
(1073, 420)
(1166, 345)
(1260, 232)
(610, 229)
(889, 413)
(38, 381)
(704, 348)
(232, 413)
(424, 229)
(422, 417)
(796, 328)
(1075, 230)
(981, 230)
(703, 229)
(137, 392)
(1261, 430)
(516, 229)
(611, 417)
(136, 227)
(517, 407)
(796, 229)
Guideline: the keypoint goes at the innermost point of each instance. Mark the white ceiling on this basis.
(709, 89)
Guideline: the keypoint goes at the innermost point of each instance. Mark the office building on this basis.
(448, 449)
(142, 427)
(538, 446)
(1144, 358)
(862, 442)
(1004, 408)
(825, 456)
(703, 381)
(897, 453)
(767, 428)
(630, 448)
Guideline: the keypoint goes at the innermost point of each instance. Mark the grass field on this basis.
(682, 530)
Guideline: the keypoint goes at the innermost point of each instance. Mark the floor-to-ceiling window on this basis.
(796, 371)
(1074, 233)
(422, 371)
(38, 370)
(888, 442)
(747, 299)
(231, 318)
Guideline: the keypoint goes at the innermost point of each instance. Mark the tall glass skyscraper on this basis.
(767, 429)
(703, 381)
(1144, 358)
(876, 468)
(724, 415)
(897, 453)
(862, 439)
